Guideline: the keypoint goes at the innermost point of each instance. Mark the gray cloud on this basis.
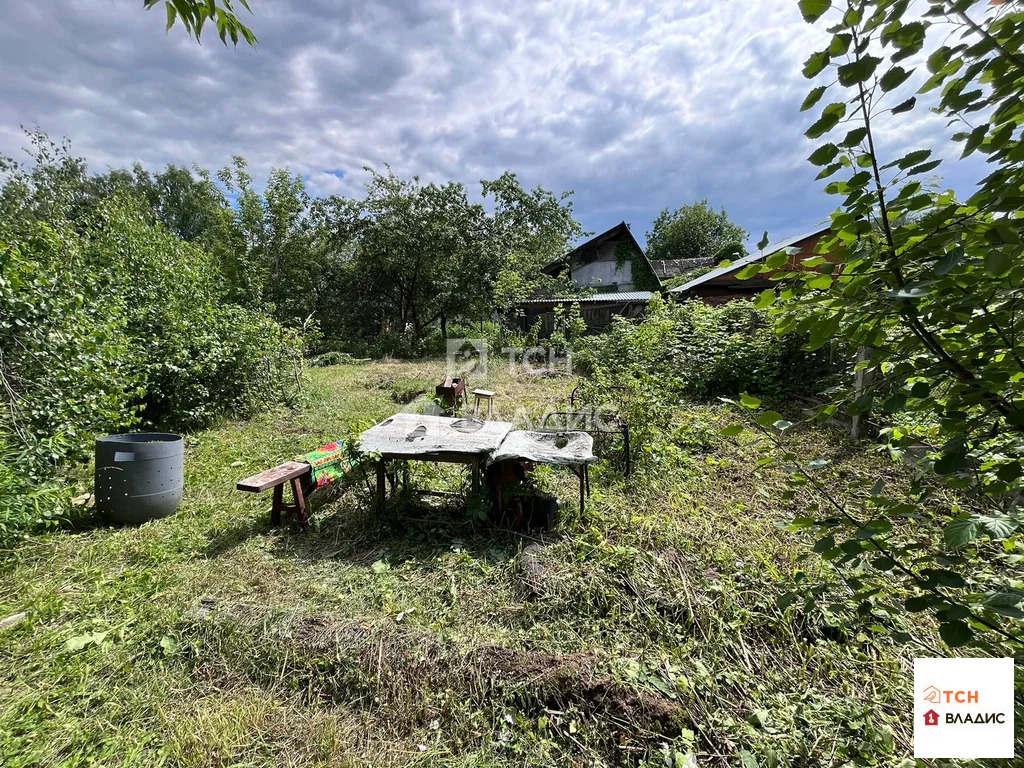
(634, 105)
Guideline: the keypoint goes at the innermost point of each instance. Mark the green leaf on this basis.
(171, 15)
(854, 137)
(768, 418)
(858, 71)
(974, 139)
(905, 106)
(765, 299)
(1009, 471)
(955, 633)
(948, 261)
(939, 59)
(749, 401)
(815, 63)
(998, 527)
(823, 330)
(820, 283)
(749, 271)
(912, 158)
(824, 154)
(79, 642)
(786, 600)
(813, 97)
(998, 263)
(829, 119)
(894, 78)
(812, 10)
(918, 604)
(960, 532)
(732, 430)
(840, 44)
(944, 577)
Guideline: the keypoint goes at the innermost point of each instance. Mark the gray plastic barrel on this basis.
(139, 476)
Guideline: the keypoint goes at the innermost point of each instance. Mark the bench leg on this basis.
(278, 505)
(299, 507)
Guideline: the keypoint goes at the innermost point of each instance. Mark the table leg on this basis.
(381, 474)
(583, 488)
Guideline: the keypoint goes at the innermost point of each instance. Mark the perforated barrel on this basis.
(139, 476)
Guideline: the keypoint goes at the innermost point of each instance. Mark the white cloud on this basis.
(635, 105)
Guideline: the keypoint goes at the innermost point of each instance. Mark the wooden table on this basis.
(412, 437)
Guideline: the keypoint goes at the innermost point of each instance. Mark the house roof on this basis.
(666, 269)
(608, 297)
(612, 234)
(750, 258)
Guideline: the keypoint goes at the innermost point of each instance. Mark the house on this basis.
(612, 262)
(613, 267)
(721, 285)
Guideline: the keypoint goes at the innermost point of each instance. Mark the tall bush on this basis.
(110, 321)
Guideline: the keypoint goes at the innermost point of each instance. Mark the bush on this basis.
(198, 358)
(689, 350)
(698, 350)
(109, 321)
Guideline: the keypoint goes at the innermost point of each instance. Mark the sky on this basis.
(635, 106)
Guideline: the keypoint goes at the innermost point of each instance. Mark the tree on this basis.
(421, 252)
(529, 230)
(928, 287)
(193, 15)
(695, 232)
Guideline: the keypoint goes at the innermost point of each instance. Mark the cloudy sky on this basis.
(636, 105)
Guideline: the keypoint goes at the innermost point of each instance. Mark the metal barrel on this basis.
(139, 476)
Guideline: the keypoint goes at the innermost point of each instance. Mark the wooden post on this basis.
(861, 381)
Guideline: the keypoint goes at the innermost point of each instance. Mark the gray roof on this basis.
(666, 269)
(625, 296)
(750, 258)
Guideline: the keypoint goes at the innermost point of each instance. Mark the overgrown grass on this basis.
(646, 628)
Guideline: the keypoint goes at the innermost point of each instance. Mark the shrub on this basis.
(108, 321)
(642, 370)
(696, 350)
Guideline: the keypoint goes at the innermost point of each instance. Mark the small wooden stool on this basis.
(483, 394)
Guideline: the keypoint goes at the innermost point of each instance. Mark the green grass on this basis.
(210, 638)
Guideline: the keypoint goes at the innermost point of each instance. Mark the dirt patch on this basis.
(402, 670)
(556, 680)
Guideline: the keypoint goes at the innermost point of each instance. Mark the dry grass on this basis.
(648, 627)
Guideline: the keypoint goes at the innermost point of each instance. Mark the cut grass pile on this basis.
(642, 634)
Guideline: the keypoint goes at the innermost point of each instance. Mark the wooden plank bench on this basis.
(298, 474)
